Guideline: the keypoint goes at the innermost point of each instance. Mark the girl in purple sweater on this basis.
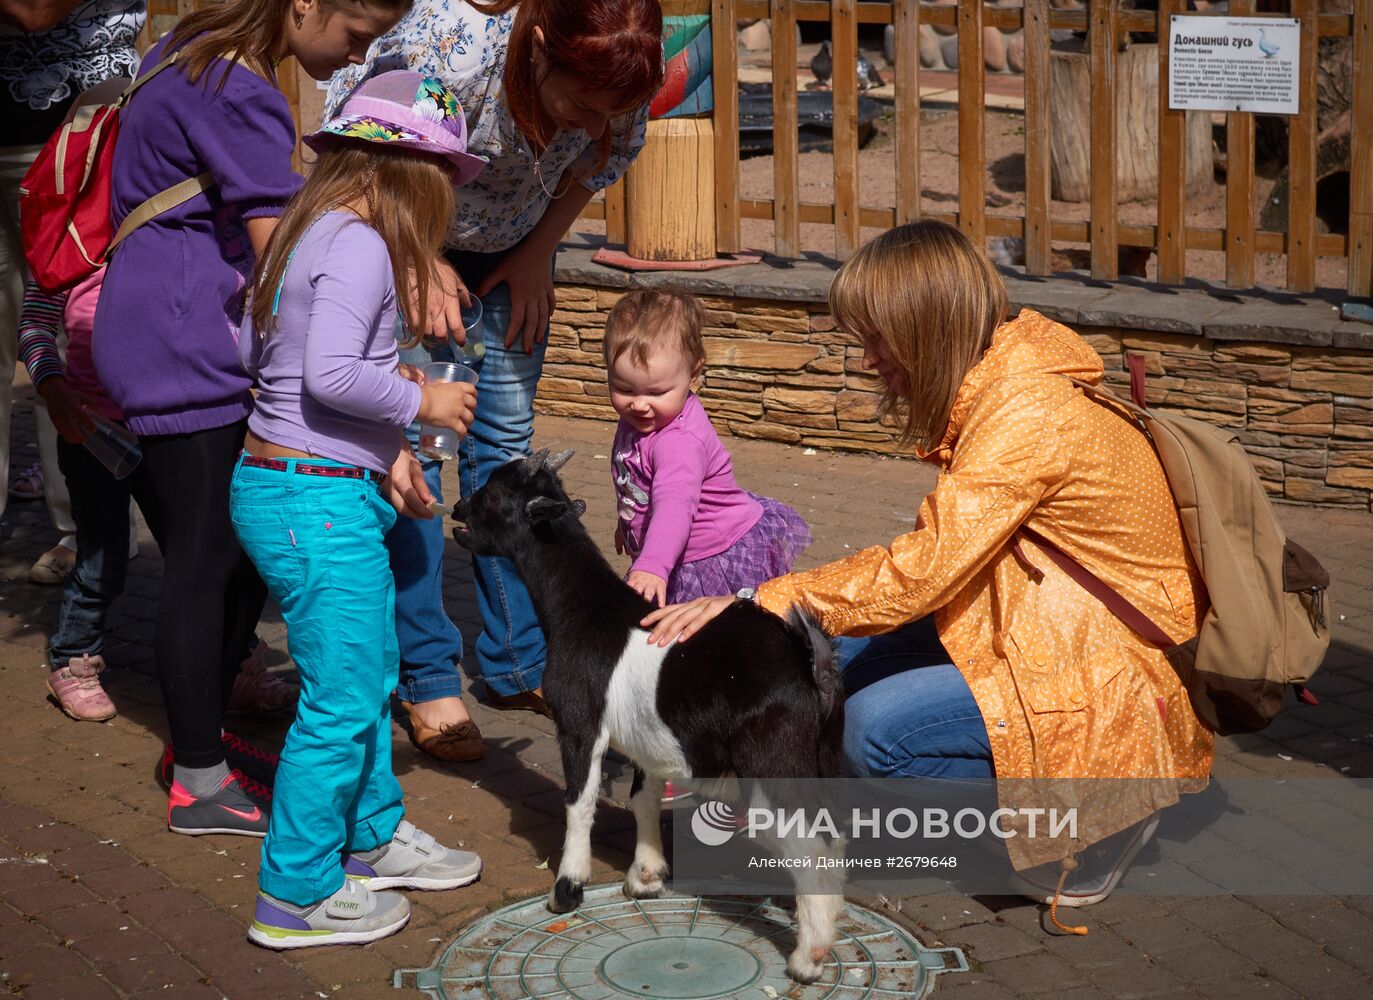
(691, 530)
(166, 332)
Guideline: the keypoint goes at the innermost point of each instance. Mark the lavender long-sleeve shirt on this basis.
(327, 381)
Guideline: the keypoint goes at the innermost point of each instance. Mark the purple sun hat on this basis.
(406, 109)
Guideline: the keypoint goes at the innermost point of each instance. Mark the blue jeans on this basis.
(430, 644)
(510, 649)
(100, 507)
(909, 713)
(319, 543)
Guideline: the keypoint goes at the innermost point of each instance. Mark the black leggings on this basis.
(211, 593)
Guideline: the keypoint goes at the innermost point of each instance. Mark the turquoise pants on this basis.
(320, 545)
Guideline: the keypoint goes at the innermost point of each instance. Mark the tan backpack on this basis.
(1268, 621)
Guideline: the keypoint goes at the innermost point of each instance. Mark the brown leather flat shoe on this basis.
(525, 701)
(456, 743)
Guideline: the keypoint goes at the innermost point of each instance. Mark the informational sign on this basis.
(1233, 64)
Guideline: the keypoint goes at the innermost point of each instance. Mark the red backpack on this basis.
(64, 199)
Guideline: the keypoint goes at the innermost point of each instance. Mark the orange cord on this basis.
(1068, 864)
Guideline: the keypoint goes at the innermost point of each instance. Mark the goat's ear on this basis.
(541, 510)
(556, 462)
(578, 508)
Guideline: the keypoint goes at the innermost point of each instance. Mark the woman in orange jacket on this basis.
(983, 659)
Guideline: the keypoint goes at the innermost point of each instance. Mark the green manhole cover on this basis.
(674, 948)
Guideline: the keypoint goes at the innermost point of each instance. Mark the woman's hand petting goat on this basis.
(679, 622)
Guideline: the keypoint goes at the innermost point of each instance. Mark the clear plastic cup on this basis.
(113, 445)
(442, 442)
(474, 349)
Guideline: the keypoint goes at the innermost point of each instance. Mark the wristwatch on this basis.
(747, 594)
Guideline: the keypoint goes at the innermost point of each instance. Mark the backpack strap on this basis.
(163, 201)
(1100, 392)
(135, 84)
(1116, 603)
(177, 194)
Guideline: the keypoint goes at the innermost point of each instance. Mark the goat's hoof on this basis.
(566, 895)
(642, 882)
(803, 968)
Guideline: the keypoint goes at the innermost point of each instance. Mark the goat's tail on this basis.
(824, 662)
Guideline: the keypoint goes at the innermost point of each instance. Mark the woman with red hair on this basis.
(556, 97)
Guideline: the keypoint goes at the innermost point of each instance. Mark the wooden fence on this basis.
(1171, 236)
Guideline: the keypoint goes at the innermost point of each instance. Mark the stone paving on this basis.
(98, 900)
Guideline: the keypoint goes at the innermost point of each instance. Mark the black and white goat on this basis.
(749, 696)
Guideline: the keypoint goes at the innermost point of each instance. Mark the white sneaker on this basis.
(413, 860)
(353, 915)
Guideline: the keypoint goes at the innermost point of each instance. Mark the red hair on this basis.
(610, 45)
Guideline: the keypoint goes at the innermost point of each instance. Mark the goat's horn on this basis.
(556, 462)
(535, 461)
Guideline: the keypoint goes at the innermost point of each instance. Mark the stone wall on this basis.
(780, 370)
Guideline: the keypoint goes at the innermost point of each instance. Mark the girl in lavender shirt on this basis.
(691, 530)
(311, 500)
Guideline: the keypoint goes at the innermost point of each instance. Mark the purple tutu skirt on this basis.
(766, 550)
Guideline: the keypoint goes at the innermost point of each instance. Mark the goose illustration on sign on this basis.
(1268, 49)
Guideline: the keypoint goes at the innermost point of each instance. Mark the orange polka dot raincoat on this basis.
(1065, 689)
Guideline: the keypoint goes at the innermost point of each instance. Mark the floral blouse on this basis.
(466, 50)
(41, 72)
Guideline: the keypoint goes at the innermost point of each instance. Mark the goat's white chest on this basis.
(631, 714)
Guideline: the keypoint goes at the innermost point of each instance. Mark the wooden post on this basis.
(1361, 157)
(725, 67)
(671, 191)
(906, 18)
(669, 206)
(1038, 127)
(1301, 161)
(1239, 185)
(1172, 163)
(786, 185)
(1102, 35)
(844, 29)
(615, 211)
(972, 113)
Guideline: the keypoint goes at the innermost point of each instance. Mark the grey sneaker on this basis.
(353, 915)
(1102, 866)
(413, 860)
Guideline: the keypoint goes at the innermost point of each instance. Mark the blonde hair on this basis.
(646, 320)
(931, 296)
(410, 197)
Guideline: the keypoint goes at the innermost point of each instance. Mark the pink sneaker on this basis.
(255, 690)
(77, 689)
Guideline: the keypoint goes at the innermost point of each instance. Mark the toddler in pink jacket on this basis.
(690, 528)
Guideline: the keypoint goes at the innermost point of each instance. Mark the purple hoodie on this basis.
(166, 328)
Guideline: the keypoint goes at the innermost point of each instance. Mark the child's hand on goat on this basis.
(679, 622)
(649, 585)
(448, 404)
